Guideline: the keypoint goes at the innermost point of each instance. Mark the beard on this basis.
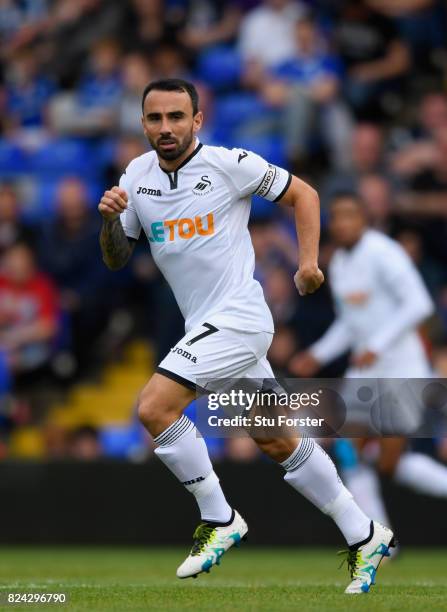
(177, 151)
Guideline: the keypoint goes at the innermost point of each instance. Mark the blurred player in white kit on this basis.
(380, 300)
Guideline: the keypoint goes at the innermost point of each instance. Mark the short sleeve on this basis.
(253, 175)
(129, 218)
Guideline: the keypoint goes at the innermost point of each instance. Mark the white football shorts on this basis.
(210, 353)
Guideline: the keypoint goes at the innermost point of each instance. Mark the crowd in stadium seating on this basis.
(348, 94)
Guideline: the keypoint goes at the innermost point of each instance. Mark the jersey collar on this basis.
(173, 173)
(186, 160)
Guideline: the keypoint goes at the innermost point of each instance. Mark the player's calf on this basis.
(181, 448)
(278, 449)
(161, 402)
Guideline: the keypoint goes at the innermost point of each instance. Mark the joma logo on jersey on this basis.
(184, 354)
(148, 191)
(185, 228)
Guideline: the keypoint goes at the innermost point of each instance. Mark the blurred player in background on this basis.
(380, 300)
(193, 203)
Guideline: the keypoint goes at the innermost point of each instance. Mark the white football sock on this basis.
(311, 471)
(422, 474)
(364, 484)
(184, 452)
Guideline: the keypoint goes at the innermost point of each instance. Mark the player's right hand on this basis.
(304, 364)
(113, 203)
(308, 280)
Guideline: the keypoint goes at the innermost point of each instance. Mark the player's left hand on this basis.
(308, 280)
(365, 359)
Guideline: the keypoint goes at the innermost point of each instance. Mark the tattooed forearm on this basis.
(116, 248)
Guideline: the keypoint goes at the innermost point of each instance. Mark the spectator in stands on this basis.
(145, 25)
(12, 229)
(136, 74)
(170, 62)
(100, 87)
(424, 169)
(273, 246)
(420, 162)
(20, 23)
(367, 156)
(306, 88)
(10, 19)
(267, 34)
(127, 148)
(375, 191)
(28, 311)
(433, 273)
(373, 53)
(284, 345)
(420, 165)
(367, 148)
(280, 294)
(210, 23)
(92, 109)
(423, 25)
(74, 28)
(84, 443)
(433, 114)
(431, 117)
(28, 92)
(69, 252)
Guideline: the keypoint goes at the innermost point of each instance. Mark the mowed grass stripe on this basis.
(100, 579)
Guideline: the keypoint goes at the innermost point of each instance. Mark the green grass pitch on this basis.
(249, 579)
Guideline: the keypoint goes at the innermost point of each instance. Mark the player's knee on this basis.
(148, 408)
(155, 410)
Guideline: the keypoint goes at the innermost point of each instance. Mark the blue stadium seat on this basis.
(270, 148)
(13, 160)
(64, 337)
(65, 156)
(123, 442)
(44, 205)
(104, 151)
(220, 68)
(5, 376)
(233, 111)
(5, 387)
(262, 209)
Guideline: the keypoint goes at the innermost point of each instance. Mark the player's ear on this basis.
(197, 122)
(143, 124)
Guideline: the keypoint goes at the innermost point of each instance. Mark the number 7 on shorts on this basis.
(210, 330)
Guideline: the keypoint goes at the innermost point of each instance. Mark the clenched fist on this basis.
(308, 280)
(113, 203)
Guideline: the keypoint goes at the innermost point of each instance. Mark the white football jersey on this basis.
(195, 219)
(380, 300)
